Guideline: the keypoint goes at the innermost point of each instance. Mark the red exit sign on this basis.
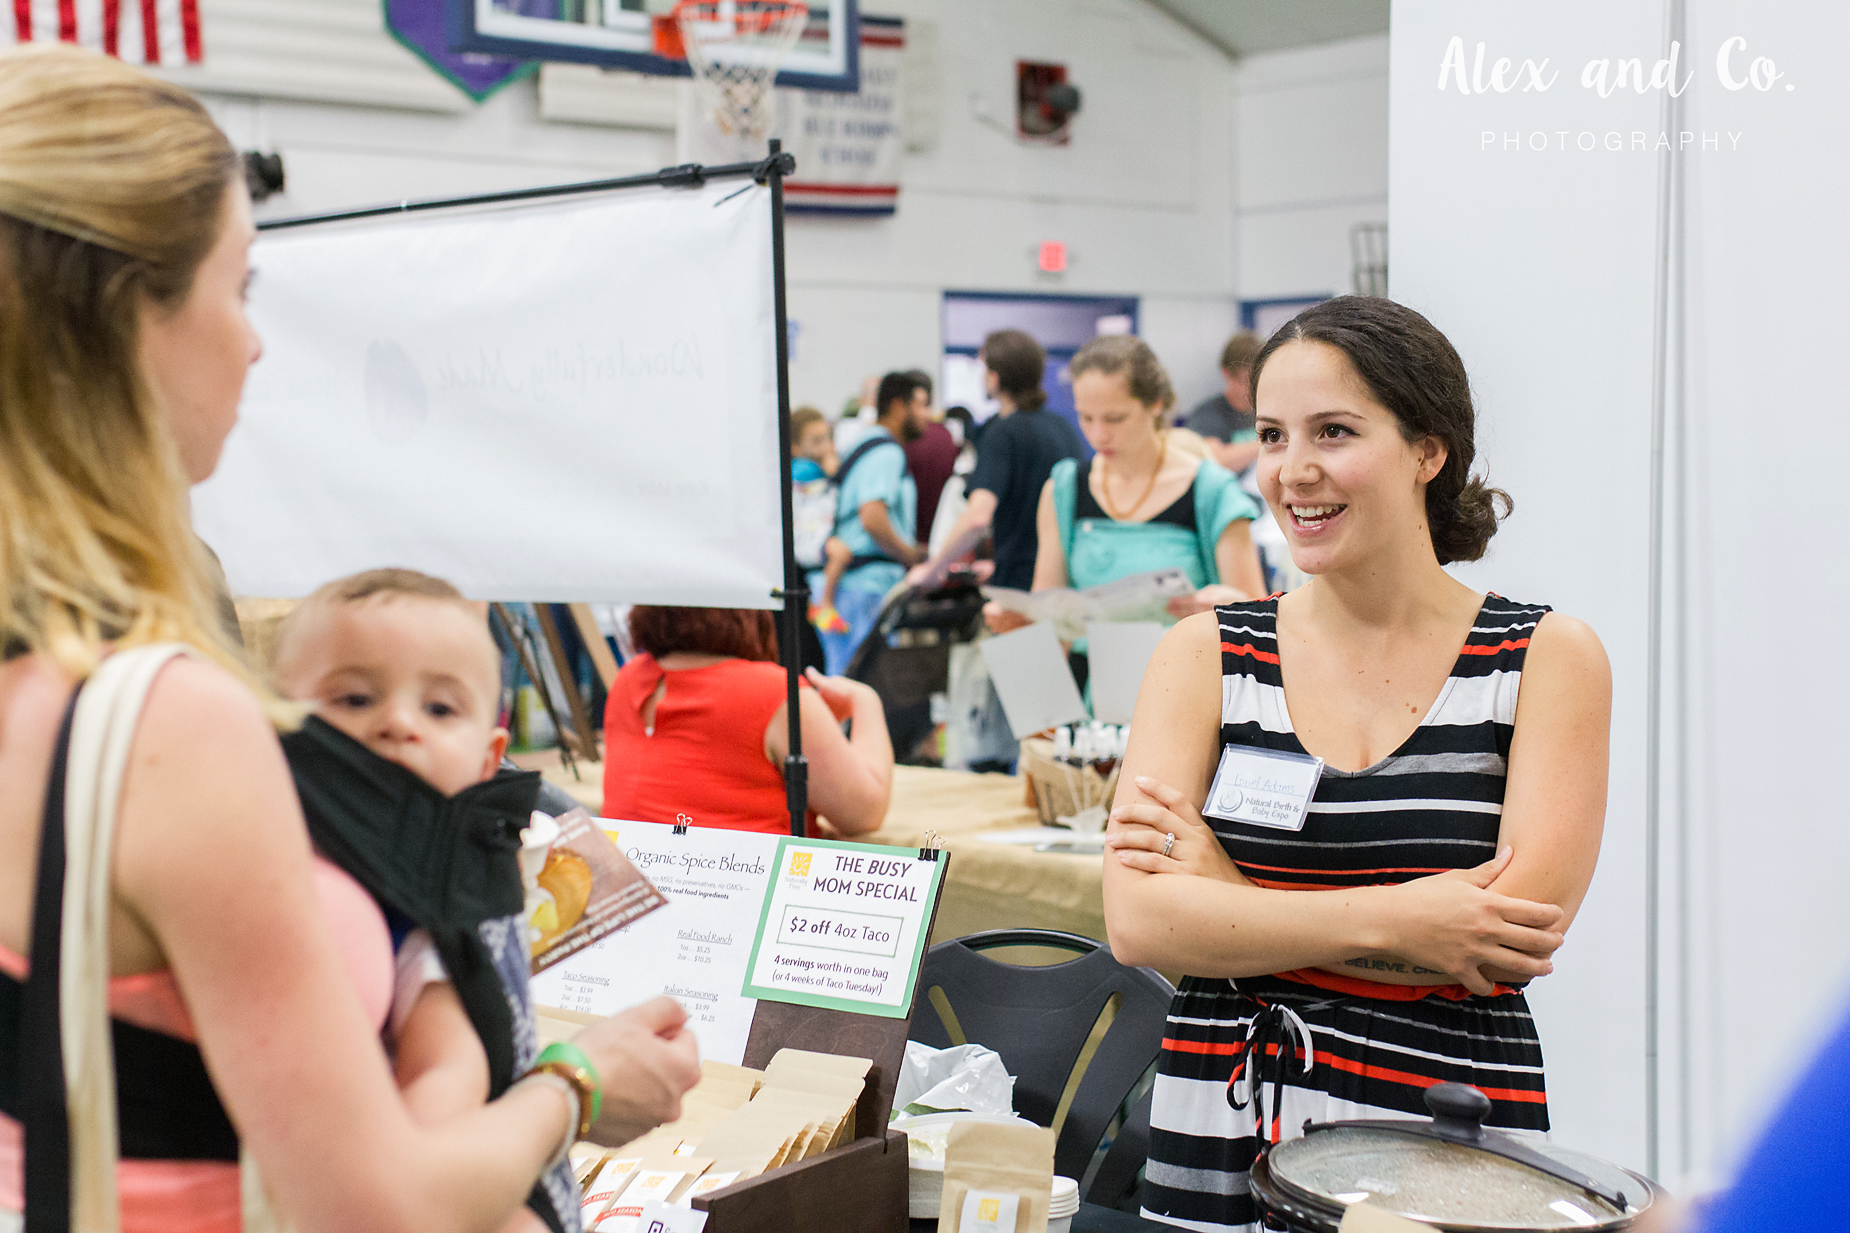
(1053, 257)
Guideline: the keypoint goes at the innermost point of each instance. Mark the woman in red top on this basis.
(695, 730)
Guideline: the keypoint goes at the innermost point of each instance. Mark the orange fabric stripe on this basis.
(1426, 1081)
(1505, 645)
(1289, 869)
(1269, 884)
(1353, 1067)
(1356, 986)
(1199, 1046)
(1242, 648)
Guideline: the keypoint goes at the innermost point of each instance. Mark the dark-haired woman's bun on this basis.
(1462, 524)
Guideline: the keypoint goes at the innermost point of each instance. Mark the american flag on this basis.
(137, 31)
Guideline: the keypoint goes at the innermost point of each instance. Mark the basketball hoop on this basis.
(734, 48)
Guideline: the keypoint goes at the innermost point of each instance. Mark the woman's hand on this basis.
(840, 692)
(1452, 923)
(646, 1057)
(1208, 597)
(1139, 831)
(1000, 620)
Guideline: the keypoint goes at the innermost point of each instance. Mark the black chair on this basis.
(1039, 1019)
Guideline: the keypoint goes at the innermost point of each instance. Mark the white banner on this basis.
(565, 400)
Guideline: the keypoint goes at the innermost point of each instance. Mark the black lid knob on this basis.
(1458, 1109)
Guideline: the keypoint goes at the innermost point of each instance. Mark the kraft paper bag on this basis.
(992, 1172)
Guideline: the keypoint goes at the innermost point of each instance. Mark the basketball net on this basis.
(735, 87)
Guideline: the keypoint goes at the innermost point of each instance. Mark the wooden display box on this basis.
(858, 1187)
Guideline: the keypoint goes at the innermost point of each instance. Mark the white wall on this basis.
(1759, 441)
(1141, 195)
(1541, 265)
(1518, 259)
(1312, 135)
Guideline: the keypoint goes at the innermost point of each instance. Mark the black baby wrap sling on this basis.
(448, 864)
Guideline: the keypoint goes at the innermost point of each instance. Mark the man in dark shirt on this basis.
(1225, 421)
(929, 456)
(1018, 450)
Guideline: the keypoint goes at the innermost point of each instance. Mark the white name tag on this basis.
(1263, 787)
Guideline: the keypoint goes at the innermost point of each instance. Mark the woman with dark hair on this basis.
(695, 729)
(1354, 938)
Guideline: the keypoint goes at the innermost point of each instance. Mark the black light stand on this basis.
(796, 589)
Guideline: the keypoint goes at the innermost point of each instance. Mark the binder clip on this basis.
(681, 823)
(934, 843)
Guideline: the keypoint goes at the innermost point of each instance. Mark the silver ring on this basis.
(1169, 841)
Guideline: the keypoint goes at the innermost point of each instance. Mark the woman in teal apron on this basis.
(1142, 504)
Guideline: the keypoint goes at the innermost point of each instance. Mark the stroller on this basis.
(907, 657)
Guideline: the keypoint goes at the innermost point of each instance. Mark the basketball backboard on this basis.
(623, 34)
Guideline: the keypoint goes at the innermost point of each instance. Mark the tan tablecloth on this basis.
(991, 885)
(987, 885)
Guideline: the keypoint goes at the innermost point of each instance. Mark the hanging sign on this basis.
(694, 949)
(418, 24)
(849, 146)
(844, 926)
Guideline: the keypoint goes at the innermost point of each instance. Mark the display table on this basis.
(988, 885)
(991, 885)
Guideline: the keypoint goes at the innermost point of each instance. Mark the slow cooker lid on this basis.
(1432, 1180)
(1455, 1171)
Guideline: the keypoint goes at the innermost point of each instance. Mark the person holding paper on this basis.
(1405, 783)
(1140, 505)
(252, 978)
(695, 730)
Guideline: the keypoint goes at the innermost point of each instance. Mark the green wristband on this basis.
(569, 1054)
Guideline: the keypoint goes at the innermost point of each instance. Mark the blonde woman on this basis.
(258, 974)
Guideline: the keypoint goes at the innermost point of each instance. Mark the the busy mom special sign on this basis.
(843, 926)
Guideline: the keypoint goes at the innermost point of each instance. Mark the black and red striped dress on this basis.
(1433, 804)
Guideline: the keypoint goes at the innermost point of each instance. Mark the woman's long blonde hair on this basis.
(112, 189)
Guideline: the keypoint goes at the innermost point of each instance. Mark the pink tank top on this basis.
(160, 1196)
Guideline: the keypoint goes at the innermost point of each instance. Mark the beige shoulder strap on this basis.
(102, 732)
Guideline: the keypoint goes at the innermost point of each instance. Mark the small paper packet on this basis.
(997, 1179)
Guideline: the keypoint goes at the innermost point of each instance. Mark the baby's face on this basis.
(814, 443)
(415, 680)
